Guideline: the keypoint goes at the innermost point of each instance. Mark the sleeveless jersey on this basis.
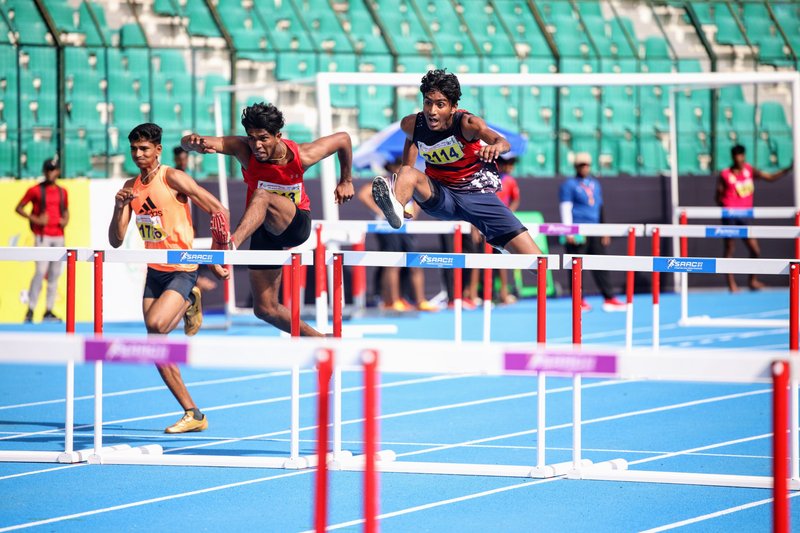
(286, 180)
(449, 158)
(739, 188)
(163, 222)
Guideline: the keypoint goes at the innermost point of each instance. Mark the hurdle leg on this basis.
(457, 286)
(320, 282)
(656, 291)
(780, 473)
(325, 363)
(371, 498)
(629, 286)
(794, 345)
(69, 455)
(339, 455)
(487, 298)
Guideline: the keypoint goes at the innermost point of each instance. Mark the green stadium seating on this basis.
(293, 65)
(773, 119)
(627, 151)
(607, 163)
(702, 11)
(784, 148)
(341, 95)
(76, 157)
(653, 157)
(131, 35)
(200, 20)
(773, 51)
(8, 157)
(689, 157)
(728, 31)
(766, 157)
(540, 157)
(27, 23)
(36, 152)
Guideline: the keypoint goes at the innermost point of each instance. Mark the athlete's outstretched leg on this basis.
(392, 197)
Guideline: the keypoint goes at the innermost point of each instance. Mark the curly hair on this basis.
(442, 81)
(146, 132)
(262, 116)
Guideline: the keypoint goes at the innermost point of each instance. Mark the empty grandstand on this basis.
(76, 75)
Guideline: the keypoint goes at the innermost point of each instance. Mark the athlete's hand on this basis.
(39, 220)
(605, 241)
(570, 239)
(197, 143)
(124, 197)
(344, 192)
(489, 153)
(220, 272)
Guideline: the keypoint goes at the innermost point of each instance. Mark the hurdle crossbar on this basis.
(154, 454)
(587, 230)
(70, 257)
(684, 231)
(729, 212)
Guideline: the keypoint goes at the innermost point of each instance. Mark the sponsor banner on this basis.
(135, 351)
(558, 229)
(562, 362)
(684, 264)
(435, 260)
(384, 227)
(726, 232)
(195, 257)
(737, 212)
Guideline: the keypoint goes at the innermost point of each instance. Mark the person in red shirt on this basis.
(278, 212)
(48, 218)
(735, 190)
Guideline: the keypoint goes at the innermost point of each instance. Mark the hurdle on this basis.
(487, 262)
(354, 232)
(70, 257)
(685, 232)
(629, 231)
(154, 454)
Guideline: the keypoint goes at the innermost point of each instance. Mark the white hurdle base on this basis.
(678, 478)
(20, 456)
(153, 455)
(707, 321)
(387, 463)
(357, 332)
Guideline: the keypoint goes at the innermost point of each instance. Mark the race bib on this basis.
(293, 192)
(744, 188)
(150, 228)
(446, 151)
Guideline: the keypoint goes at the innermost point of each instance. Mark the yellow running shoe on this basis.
(193, 318)
(427, 306)
(187, 424)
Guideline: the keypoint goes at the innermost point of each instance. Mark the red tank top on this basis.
(286, 180)
(449, 157)
(739, 187)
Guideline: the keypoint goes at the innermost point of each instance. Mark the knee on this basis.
(157, 325)
(260, 197)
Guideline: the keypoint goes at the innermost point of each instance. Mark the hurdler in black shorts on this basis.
(295, 234)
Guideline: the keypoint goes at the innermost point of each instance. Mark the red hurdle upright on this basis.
(780, 446)
(325, 369)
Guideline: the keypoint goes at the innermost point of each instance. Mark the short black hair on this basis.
(262, 116)
(442, 81)
(146, 132)
(736, 150)
(50, 164)
(178, 150)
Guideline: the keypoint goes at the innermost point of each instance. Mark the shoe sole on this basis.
(193, 430)
(383, 198)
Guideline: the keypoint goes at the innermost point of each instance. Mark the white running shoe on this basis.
(383, 195)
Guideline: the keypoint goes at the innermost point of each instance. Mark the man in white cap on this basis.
(581, 202)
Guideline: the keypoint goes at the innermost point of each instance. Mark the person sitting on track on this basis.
(461, 175)
(278, 213)
(159, 199)
(735, 190)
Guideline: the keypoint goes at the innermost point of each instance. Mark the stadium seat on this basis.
(36, 152)
(341, 95)
(8, 157)
(76, 157)
(766, 157)
(200, 20)
(363, 31)
(689, 157)
(540, 157)
(653, 157)
(784, 148)
(608, 160)
(728, 31)
(293, 65)
(27, 23)
(131, 35)
(627, 157)
(773, 119)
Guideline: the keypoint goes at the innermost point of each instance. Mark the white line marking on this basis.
(154, 389)
(669, 455)
(151, 500)
(240, 404)
(716, 514)
(42, 471)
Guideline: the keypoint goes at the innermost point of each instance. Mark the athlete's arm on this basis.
(410, 150)
(229, 145)
(65, 218)
(475, 128)
(339, 144)
(40, 219)
(771, 176)
(122, 214)
(183, 183)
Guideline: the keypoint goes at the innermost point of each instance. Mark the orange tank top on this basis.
(164, 222)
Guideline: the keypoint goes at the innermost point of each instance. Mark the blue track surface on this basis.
(660, 426)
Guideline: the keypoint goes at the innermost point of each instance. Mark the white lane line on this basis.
(424, 410)
(42, 471)
(155, 389)
(669, 455)
(596, 420)
(482, 494)
(716, 514)
(240, 404)
(151, 500)
(440, 503)
(387, 515)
